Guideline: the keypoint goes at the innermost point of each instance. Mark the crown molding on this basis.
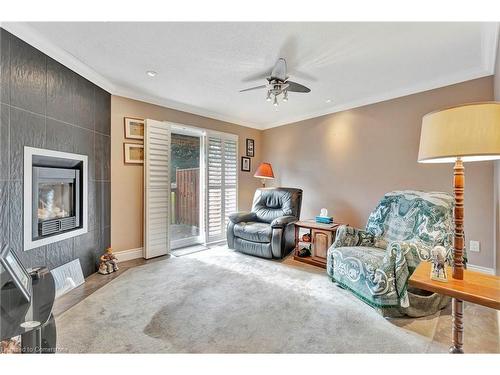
(489, 45)
(415, 89)
(183, 107)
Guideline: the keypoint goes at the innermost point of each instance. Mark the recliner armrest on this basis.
(241, 216)
(282, 221)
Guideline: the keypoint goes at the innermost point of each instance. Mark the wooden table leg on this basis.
(458, 326)
(296, 240)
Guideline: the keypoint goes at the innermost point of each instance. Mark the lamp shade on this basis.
(470, 132)
(264, 171)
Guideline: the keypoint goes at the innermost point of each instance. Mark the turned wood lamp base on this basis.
(458, 249)
(458, 240)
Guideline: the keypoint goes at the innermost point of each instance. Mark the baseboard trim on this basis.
(130, 254)
(489, 271)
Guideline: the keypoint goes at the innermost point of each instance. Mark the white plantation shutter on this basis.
(230, 179)
(156, 188)
(222, 183)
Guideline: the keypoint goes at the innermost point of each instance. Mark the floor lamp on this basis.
(465, 133)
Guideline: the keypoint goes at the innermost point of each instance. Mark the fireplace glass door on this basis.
(55, 200)
(56, 203)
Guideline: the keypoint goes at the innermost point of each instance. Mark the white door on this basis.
(156, 188)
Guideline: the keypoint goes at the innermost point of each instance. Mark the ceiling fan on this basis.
(278, 83)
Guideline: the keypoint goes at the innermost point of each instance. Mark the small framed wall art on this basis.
(133, 153)
(250, 147)
(245, 164)
(134, 128)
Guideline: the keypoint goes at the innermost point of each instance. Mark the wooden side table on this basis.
(476, 287)
(322, 237)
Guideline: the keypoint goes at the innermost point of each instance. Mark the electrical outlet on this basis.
(474, 246)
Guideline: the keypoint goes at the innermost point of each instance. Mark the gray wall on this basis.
(46, 105)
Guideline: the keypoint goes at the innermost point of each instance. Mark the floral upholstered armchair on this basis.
(376, 263)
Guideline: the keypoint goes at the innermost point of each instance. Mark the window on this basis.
(222, 183)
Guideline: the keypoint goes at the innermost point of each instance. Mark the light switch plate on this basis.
(474, 246)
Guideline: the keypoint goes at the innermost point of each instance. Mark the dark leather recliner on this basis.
(267, 231)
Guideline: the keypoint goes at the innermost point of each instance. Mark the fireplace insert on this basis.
(55, 196)
(56, 200)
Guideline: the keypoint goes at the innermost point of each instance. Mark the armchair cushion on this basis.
(253, 231)
(238, 217)
(272, 203)
(413, 215)
(282, 221)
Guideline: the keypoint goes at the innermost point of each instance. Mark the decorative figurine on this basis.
(103, 268)
(109, 262)
(438, 271)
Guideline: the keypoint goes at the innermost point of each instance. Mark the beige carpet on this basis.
(220, 301)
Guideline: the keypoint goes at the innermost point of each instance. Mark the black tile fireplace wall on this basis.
(46, 105)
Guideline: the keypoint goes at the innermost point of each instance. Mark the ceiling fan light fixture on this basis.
(285, 96)
(278, 83)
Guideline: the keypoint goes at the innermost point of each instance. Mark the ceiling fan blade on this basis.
(279, 70)
(254, 88)
(297, 87)
(302, 75)
(257, 76)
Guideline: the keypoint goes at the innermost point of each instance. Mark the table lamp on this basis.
(465, 133)
(264, 172)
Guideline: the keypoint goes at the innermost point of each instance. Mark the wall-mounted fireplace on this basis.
(55, 190)
(56, 200)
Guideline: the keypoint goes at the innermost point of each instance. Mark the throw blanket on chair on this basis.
(376, 263)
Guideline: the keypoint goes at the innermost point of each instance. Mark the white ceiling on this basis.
(202, 66)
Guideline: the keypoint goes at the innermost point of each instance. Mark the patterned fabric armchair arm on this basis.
(349, 236)
(416, 251)
(400, 261)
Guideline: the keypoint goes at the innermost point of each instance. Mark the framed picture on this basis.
(10, 263)
(245, 164)
(134, 128)
(250, 147)
(133, 153)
